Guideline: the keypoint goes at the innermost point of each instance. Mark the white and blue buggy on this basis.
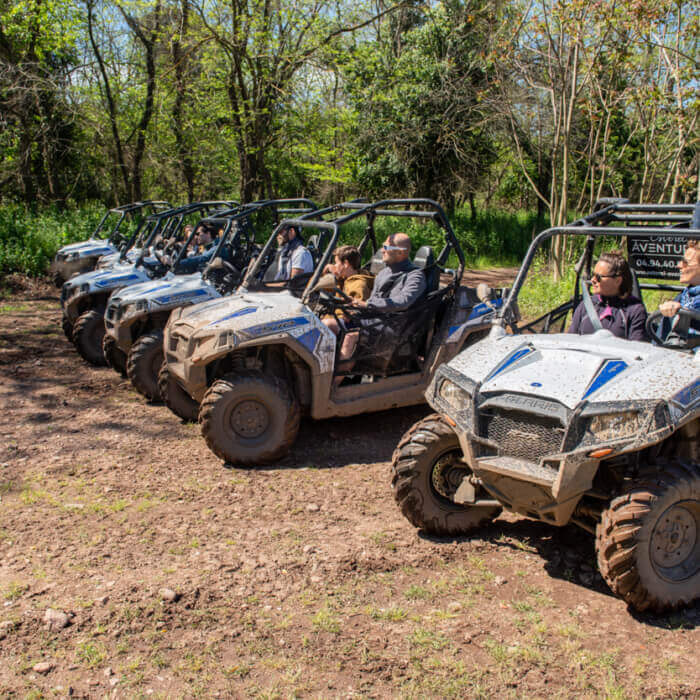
(587, 429)
(260, 359)
(75, 258)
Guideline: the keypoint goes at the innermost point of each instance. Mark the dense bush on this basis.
(29, 238)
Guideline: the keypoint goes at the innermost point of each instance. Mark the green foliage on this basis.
(29, 238)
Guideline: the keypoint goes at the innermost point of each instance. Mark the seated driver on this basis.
(295, 258)
(617, 309)
(689, 298)
(356, 284)
(400, 284)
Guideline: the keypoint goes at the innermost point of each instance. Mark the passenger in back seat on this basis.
(400, 284)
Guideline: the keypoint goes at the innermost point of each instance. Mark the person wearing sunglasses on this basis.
(400, 284)
(295, 258)
(689, 298)
(613, 307)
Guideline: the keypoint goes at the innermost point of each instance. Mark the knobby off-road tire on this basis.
(115, 357)
(249, 418)
(144, 363)
(648, 540)
(427, 468)
(175, 397)
(88, 331)
(58, 279)
(67, 326)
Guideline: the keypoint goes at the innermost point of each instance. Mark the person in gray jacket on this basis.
(400, 284)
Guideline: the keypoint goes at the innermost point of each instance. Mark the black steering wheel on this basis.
(334, 297)
(679, 336)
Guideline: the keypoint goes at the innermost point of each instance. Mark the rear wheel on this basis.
(58, 279)
(249, 418)
(427, 471)
(648, 540)
(144, 362)
(88, 331)
(175, 397)
(115, 357)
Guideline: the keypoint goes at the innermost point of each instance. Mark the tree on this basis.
(39, 136)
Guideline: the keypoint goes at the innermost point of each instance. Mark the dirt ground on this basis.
(172, 576)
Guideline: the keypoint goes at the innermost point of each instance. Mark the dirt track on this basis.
(298, 580)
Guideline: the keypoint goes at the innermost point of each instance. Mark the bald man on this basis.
(400, 284)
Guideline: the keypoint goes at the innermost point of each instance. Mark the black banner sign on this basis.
(656, 257)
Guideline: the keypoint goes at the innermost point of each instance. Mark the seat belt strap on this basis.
(588, 305)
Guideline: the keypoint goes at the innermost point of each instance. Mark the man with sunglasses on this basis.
(689, 298)
(400, 284)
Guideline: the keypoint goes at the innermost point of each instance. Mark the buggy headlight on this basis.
(614, 426)
(134, 309)
(458, 399)
(454, 395)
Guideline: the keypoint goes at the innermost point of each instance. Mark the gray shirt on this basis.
(397, 287)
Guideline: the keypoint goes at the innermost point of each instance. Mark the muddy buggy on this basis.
(257, 361)
(592, 429)
(84, 297)
(76, 258)
(136, 315)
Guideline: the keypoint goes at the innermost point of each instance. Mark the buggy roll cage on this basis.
(371, 211)
(123, 211)
(684, 220)
(232, 216)
(169, 222)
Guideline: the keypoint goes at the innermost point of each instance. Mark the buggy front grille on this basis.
(522, 435)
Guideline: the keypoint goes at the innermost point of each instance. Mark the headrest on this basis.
(424, 257)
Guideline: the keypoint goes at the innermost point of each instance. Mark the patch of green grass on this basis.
(425, 638)
(91, 654)
(416, 592)
(15, 590)
(325, 620)
(391, 614)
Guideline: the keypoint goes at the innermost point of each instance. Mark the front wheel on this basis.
(249, 418)
(115, 357)
(427, 471)
(648, 540)
(144, 362)
(88, 331)
(175, 397)
(67, 326)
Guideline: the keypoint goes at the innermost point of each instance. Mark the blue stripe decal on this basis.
(240, 312)
(117, 280)
(181, 296)
(484, 308)
(310, 339)
(511, 359)
(688, 396)
(275, 326)
(478, 311)
(609, 370)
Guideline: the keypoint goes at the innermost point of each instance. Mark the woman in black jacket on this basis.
(618, 311)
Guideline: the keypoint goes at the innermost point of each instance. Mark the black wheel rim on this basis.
(674, 545)
(249, 419)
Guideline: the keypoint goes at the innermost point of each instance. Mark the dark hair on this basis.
(619, 267)
(349, 253)
(693, 243)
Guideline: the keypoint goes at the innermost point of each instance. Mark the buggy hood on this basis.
(571, 369)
